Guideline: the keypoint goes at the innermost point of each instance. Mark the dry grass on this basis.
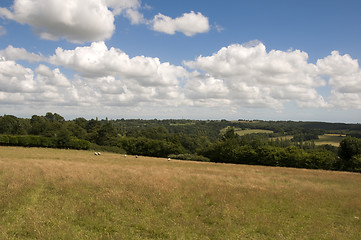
(66, 194)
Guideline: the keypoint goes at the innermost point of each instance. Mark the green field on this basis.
(68, 194)
(242, 132)
(331, 139)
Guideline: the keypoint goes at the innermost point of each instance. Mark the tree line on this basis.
(192, 139)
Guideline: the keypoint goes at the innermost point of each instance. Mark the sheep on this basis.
(125, 155)
(95, 153)
(99, 153)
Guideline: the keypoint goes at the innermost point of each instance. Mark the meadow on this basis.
(71, 194)
(330, 139)
(242, 132)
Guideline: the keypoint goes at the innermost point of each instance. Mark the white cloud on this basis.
(51, 77)
(97, 60)
(15, 78)
(77, 21)
(20, 86)
(256, 78)
(234, 78)
(189, 24)
(119, 79)
(119, 6)
(135, 16)
(344, 75)
(93, 20)
(12, 53)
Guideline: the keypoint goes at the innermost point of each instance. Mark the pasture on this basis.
(330, 139)
(242, 132)
(69, 194)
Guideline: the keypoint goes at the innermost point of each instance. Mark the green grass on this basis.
(331, 139)
(241, 132)
(287, 137)
(250, 131)
(68, 194)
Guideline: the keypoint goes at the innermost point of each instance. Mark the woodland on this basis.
(275, 143)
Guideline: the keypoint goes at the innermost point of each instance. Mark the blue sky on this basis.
(259, 59)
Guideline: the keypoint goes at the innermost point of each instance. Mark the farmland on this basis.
(330, 139)
(242, 132)
(72, 194)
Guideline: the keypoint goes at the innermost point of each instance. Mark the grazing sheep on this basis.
(125, 155)
(95, 153)
(168, 159)
(99, 153)
(136, 156)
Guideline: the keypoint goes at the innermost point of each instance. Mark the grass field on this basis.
(287, 137)
(242, 132)
(68, 194)
(331, 139)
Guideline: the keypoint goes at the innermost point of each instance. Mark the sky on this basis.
(232, 59)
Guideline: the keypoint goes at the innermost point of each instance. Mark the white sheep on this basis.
(99, 153)
(95, 153)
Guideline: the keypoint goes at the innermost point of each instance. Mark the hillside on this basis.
(71, 194)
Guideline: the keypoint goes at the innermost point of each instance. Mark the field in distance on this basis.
(330, 139)
(242, 132)
(69, 194)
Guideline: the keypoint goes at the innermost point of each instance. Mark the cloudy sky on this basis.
(232, 59)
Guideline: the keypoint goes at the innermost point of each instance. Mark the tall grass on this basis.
(68, 194)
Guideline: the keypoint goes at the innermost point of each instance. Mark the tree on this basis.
(10, 124)
(349, 148)
(37, 124)
(54, 117)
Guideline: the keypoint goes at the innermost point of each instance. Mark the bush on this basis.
(321, 159)
(4, 139)
(13, 140)
(356, 161)
(149, 147)
(349, 150)
(189, 157)
(76, 143)
(114, 149)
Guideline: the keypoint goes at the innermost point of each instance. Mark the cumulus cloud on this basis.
(51, 77)
(77, 21)
(120, 79)
(15, 78)
(255, 77)
(22, 86)
(235, 77)
(344, 75)
(97, 60)
(12, 53)
(189, 24)
(93, 20)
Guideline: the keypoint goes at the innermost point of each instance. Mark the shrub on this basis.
(189, 157)
(4, 139)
